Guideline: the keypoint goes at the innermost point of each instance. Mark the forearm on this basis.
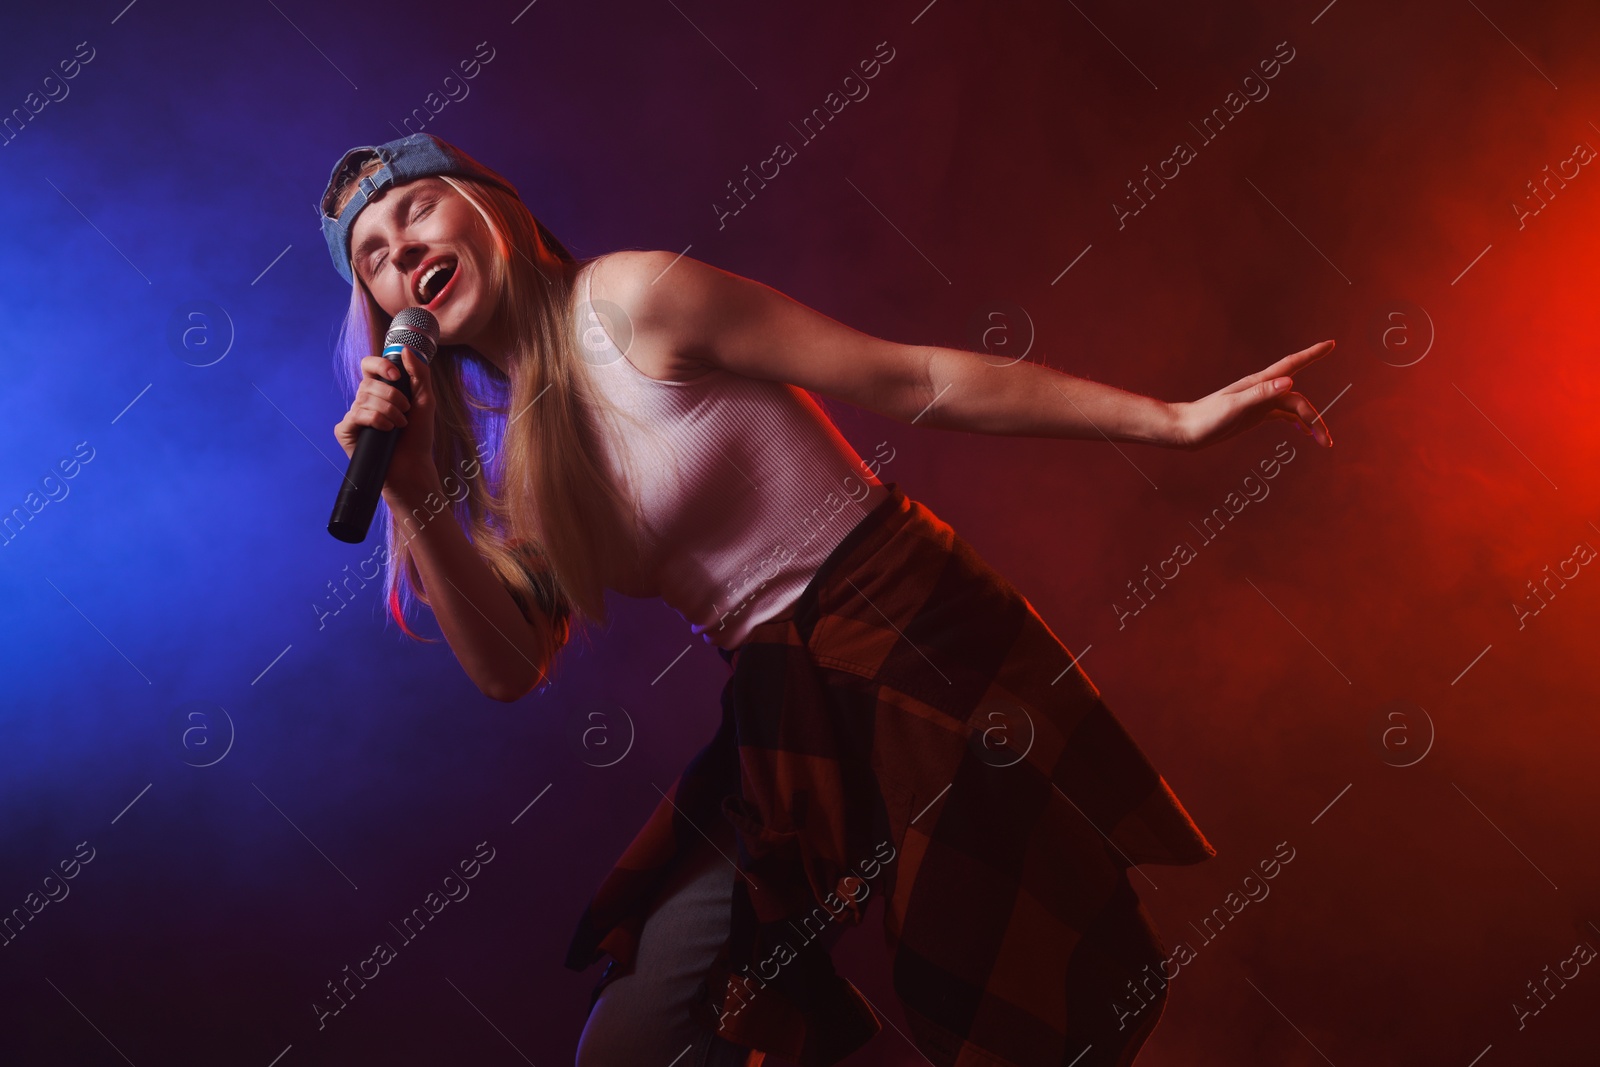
(503, 653)
(980, 394)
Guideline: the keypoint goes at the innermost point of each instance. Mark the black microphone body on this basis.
(414, 328)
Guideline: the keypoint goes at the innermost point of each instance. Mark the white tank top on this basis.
(745, 487)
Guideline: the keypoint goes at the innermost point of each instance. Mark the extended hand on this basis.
(1250, 401)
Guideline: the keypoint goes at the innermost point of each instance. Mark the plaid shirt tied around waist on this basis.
(913, 731)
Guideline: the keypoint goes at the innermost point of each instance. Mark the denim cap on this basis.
(404, 159)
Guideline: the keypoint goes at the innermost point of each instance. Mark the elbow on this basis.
(534, 664)
(510, 692)
(916, 392)
(506, 695)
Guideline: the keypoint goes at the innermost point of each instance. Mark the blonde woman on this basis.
(898, 724)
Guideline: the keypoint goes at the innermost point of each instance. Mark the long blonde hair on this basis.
(544, 513)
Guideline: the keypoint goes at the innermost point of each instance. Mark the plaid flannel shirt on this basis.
(913, 731)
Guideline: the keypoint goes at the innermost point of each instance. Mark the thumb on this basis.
(1274, 386)
(416, 366)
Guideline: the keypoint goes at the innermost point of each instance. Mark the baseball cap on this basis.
(405, 159)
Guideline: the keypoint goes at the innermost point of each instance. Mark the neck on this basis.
(495, 355)
(493, 347)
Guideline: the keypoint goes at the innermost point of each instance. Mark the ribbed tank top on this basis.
(745, 486)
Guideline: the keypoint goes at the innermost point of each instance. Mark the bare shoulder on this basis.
(656, 292)
(688, 318)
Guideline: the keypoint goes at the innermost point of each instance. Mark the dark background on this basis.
(1342, 669)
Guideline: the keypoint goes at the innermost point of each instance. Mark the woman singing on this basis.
(898, 722)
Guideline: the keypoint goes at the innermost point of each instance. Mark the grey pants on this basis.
(642, 1019)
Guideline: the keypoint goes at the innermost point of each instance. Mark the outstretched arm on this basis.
(703, 314)
(1032, 400)
(971, 392)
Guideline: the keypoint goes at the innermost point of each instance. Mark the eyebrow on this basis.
(401, 205)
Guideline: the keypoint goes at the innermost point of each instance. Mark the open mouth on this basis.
(435, 282)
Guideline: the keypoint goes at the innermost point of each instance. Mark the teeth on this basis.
(427, 275)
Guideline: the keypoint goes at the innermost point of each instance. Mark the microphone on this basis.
(416, 328)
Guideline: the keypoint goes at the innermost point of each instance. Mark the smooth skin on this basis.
(688, 318)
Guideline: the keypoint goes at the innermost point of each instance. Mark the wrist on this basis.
(1173, 424)
(1163, 424)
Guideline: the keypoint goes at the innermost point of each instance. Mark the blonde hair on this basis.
(544, 513)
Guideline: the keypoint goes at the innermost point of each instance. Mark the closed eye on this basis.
(417, 213)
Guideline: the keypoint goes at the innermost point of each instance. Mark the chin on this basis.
(453, 328)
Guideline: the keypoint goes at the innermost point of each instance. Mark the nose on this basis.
(406, 260)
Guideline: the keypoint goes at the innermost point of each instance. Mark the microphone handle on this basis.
(369, 465)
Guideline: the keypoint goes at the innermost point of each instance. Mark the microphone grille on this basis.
(416, 328)
(418, 342)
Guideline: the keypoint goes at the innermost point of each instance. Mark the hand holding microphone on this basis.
(388, 431)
